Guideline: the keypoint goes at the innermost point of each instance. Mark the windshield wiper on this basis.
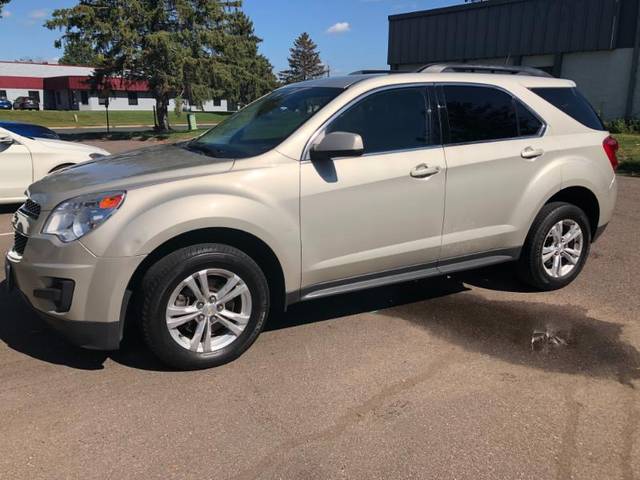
(200, 148)
(210, 150)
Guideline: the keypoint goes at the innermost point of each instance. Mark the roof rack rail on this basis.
(373, 72)
(473, 68)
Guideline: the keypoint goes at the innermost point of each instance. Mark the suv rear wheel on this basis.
(203, 306)
(557, 247)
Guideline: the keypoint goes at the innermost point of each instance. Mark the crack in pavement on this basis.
(352, 417)
(628, 432)
(568, 445)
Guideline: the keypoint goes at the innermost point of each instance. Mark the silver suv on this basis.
(319, 188)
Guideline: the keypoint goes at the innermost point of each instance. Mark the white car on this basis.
(24, 160)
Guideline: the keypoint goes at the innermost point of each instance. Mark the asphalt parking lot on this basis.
(432, 379)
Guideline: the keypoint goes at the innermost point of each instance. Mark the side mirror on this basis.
(6, 140)
(337, 144)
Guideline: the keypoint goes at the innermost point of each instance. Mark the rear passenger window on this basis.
(528, 123)
(571, 102)
(479, 114)
(387, 121)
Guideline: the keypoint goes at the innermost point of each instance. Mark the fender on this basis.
(155, 214)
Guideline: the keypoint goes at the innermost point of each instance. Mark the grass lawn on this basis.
(55, 118)
(629, 154)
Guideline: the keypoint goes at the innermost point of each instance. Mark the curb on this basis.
(127, 126)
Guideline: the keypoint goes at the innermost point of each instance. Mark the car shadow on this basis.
(24, 331)
(448, 308)
(500, 278)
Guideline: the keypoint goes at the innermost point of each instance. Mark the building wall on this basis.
(40, 70)
(603, 77)
(13, 93)
(146, 102)
(61, 99)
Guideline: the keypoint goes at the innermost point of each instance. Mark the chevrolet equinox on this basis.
(319, 188)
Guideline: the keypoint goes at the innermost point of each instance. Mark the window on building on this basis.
(571, 102)
(3, 94)
(387, 121)
(133, 98)
(217, 102)
(58, 98)
(34, 95)
(479, 114)
(84, 97)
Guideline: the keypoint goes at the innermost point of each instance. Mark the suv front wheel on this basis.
(556, 248)
(203, 306)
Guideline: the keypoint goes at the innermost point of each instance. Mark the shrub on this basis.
(621, 125)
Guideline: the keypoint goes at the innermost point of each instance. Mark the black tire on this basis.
(530, 266)
(162, 279)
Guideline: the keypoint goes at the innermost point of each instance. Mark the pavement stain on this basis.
(503, 329)
(352, 416)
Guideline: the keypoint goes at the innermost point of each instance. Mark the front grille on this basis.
(19, 244)
(31, 209)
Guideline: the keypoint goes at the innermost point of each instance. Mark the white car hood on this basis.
(63, 146)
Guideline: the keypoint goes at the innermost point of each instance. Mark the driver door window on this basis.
(388, 121)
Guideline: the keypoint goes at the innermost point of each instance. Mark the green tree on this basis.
(2, 4)
(252, 72)
(77, 52)
(304, 62)
(176, 46)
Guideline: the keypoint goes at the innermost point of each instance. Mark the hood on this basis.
(50, 144)
(153, 165)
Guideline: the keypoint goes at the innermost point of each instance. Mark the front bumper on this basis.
(94, 315)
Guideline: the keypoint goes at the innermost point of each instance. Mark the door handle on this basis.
(531, 153)
(423, 171)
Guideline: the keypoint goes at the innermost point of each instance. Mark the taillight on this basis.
(611, 147)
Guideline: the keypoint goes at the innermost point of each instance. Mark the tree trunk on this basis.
(162, 111)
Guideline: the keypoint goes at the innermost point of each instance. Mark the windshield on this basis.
(264, 124)
(31, 131)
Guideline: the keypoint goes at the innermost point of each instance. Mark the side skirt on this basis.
(417, 272)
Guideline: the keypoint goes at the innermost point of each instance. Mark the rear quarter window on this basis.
(573, 103)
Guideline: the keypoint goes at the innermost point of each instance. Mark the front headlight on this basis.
(74, 218)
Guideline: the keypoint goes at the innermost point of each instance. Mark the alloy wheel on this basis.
(562, 248)
(208, 310)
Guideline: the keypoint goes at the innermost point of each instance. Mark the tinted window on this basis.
(528, 123)
(32, 131)
(479, 114)
(387, 121)
(265, 123)
(571, 102)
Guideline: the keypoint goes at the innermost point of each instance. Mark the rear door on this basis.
(16, 172)
(382, 211)
(494, 149)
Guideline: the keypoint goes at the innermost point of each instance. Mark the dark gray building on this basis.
(593, 42)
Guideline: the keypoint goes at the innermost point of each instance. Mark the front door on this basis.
(380, 212)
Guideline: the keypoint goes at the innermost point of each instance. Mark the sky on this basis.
(351, 34)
